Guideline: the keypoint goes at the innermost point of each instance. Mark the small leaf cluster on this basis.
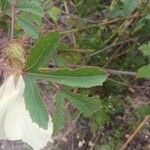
(144, 72)
(36, 68)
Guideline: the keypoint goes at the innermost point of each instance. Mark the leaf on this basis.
(32, 18)
(41, 51)
(54, 13)
(144, 72)
(86, 105)
(129, 6)
(145, 49)
(31, 6)
(139, 26)
(28, 27)
(35, 104)
(59, 117)
(4, 4)
(84, 77)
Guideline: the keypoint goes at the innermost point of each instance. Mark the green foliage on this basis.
(42, 51)
(104, 147)
(144, 72)
(108, 107)
(59, 117)
(129, 6)
(85, 7)
(142, 26)
(3, 4)
(86, 105)
(34, 103)
(143, 110)
(28, 27)
(29, 8)
(54, 13)
(84, 77)
(80, 77)
(145, 49)
(32, 7)
(123, 7)
(114, 29)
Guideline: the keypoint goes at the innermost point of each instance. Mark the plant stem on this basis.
(119, 72)
(118, 82)
(12, 20)
(123, 147)
(103, 22)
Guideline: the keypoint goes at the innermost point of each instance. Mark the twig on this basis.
(12, 20)
(110, 46)
(77, 50)
(119, 72)
(116, 44)
(123, 147)
(103, 22)
(112, 57)
(118, 82)
(68, 131)
(69, 27)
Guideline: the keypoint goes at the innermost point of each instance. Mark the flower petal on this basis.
(6, 94)
(18, 125)
(20, 86)
(7, 87)
(2, 131)
(9, 92)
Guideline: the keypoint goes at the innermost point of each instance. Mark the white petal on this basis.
(7, 87)
(9, 92)
(18, 125)
(2, 131)
(20, 86)
(6, 94)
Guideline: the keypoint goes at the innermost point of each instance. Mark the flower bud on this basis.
(15, 51)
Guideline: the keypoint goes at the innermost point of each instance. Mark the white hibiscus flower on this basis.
(15, 120)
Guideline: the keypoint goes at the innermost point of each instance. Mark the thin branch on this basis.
(103, 22)
(119, 72)
(118, 82)
(12, 20)
(109, 71)
(110, 46)
(123, 147)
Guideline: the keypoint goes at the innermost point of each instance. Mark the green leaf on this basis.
(129, 6)
(84, 77)
(35, 104)
(28, 27)
(144, 72)
(41, 51)
(86, 105)
(139, 26)
(54, 13)
(32, 18)
(59, 117)
(145, 49)
(30, 6)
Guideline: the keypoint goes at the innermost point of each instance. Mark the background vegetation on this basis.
(109, 34)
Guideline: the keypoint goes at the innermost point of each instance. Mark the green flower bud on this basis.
(15, 51)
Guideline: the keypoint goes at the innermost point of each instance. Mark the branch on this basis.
(103, 22)
(119, 72)
(123, 147)
(12, 20)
